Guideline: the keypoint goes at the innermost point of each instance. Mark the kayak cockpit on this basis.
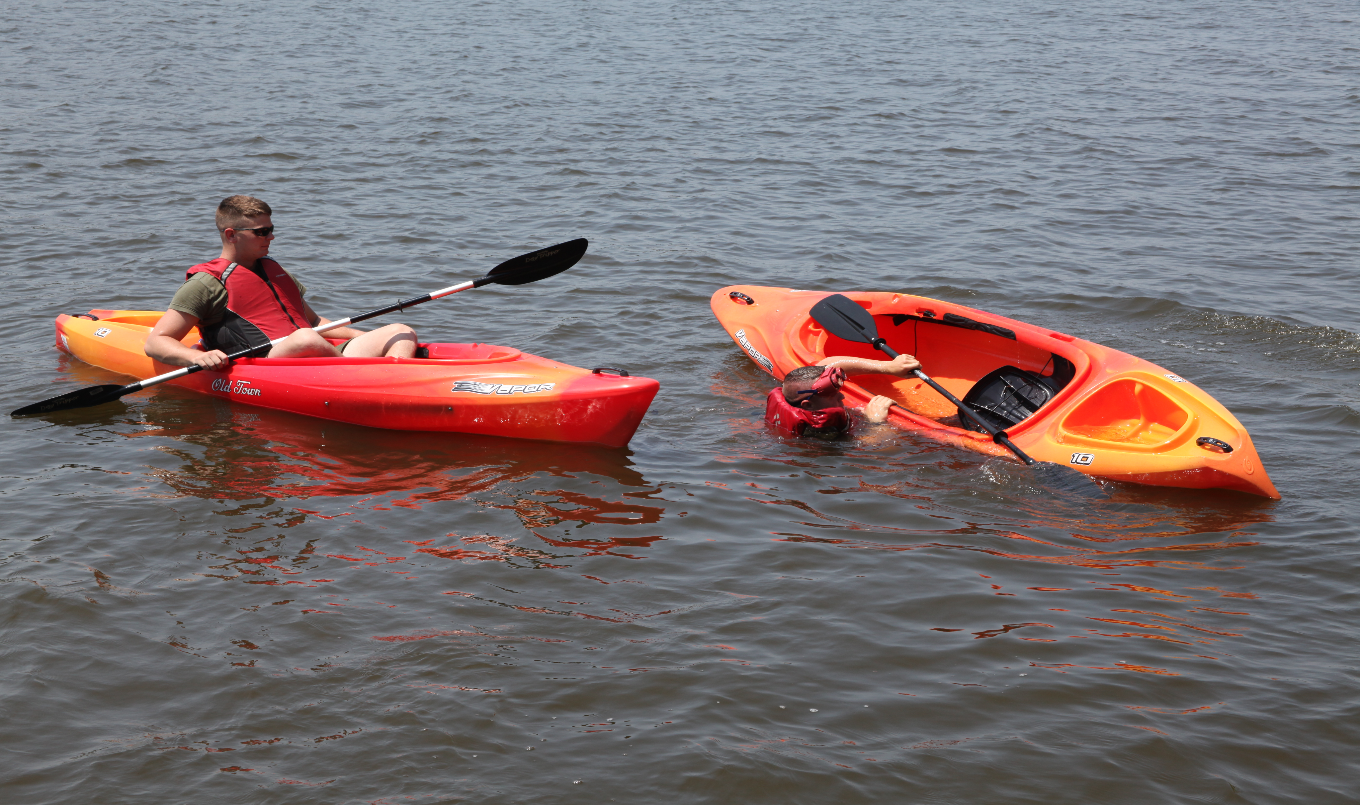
(963, 353)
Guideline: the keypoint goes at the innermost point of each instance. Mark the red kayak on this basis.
(461, 388)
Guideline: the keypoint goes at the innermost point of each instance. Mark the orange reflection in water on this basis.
(603, 547)
(1095, 541)
(256, 456)
(238, 453)
(497, 549)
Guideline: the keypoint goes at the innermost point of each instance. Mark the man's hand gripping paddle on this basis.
(846, 320)
(521, 270)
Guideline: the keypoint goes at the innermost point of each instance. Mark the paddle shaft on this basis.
(998, 436)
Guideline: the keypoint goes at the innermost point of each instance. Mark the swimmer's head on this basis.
(814, 388)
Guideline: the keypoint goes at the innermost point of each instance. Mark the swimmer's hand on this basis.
(902, 366)
(876, 410)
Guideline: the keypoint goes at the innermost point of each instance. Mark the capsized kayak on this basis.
(1108, 413)
(461, 388)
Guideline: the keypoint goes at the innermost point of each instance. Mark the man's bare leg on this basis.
(304, 344)
(392, 341)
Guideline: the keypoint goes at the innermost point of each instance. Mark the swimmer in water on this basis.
(810, 403)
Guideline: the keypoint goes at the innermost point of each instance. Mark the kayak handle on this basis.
(1218, 444)
(89, 316)
(738, 296)
(603, 369)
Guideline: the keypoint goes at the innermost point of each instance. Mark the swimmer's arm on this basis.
(901, 366)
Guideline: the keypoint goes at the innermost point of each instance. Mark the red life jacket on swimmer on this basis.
(260, 306)
(827, 423)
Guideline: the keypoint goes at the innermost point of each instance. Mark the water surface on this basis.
(211, 603)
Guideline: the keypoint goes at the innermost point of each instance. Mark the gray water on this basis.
(206, 603)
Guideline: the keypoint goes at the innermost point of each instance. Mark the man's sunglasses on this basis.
(260, 231)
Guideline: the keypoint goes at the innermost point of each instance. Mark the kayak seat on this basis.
(1009, 395)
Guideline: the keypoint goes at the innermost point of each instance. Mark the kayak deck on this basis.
(462, 388)
(1118, 417)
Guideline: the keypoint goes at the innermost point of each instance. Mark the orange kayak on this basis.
(462, 388)
(1110, 415)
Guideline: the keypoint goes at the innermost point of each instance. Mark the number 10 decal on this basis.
(1083, 459)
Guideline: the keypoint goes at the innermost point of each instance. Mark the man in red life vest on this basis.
(244, 298)
(809, 403)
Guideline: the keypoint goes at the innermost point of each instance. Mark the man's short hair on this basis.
(799, 375)
(804, 373)
(236, 210)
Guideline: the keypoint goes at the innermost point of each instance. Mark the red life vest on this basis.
(259, 308)
(789, 421)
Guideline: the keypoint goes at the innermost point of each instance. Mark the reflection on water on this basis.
(256, 460)
(1089, 544)
(251, 453)
(481, 566)
(461, 572)
(238, 452)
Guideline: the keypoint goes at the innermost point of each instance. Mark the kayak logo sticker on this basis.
(1175, 378)
(474, 387)
(1084, 459)
(101, 332)
(241, 387)
(753, 352)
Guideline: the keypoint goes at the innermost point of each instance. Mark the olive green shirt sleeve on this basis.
(204, 298)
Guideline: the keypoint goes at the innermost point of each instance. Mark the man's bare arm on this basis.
(901, 366)
(164, 345)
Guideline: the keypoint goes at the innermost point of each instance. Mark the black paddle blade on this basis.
(538, 265)
(80, 398)
(845, 319)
